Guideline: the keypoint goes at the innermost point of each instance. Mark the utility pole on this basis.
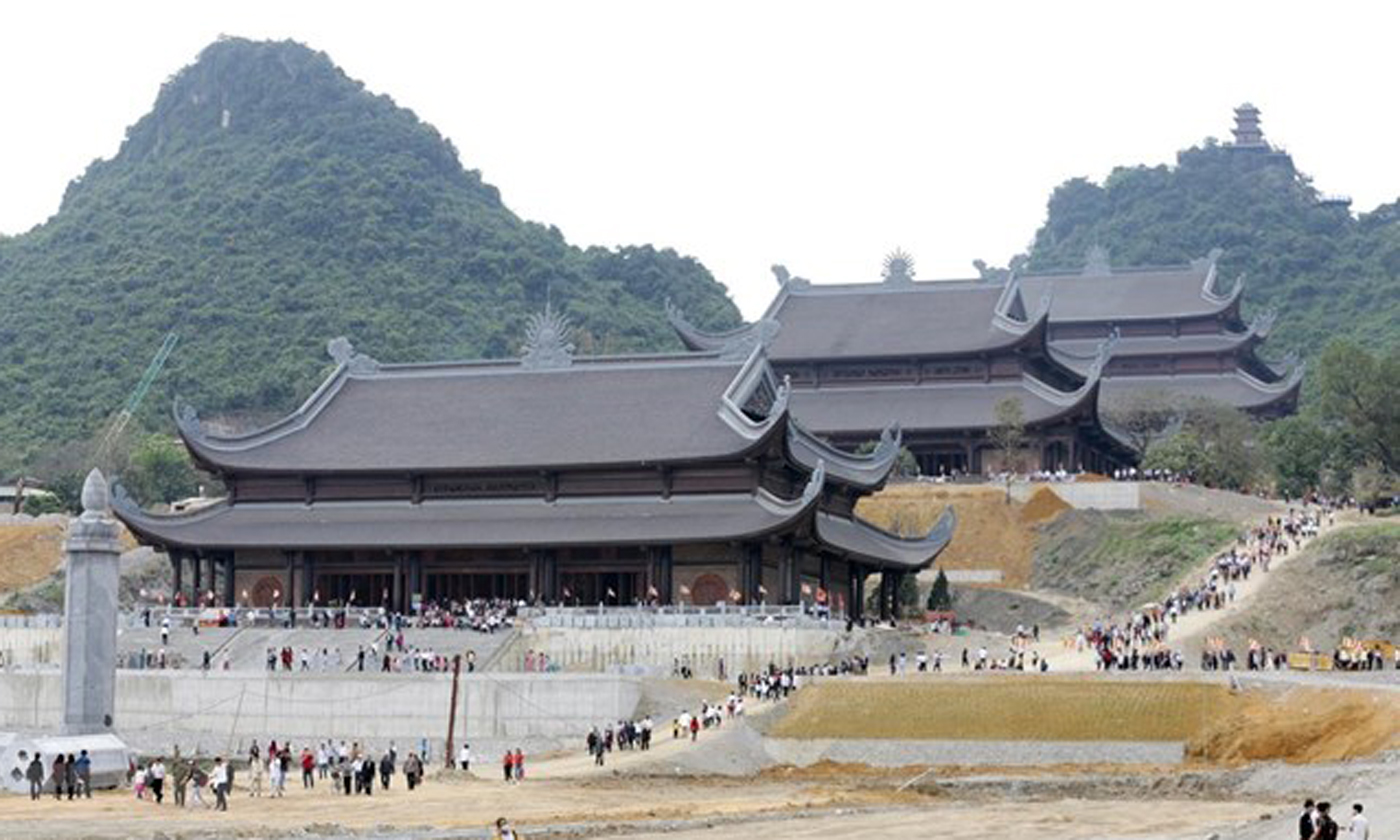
(452, 712)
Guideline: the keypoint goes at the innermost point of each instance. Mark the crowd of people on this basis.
(1139, 641)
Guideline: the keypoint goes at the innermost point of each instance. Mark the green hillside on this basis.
(266, 204)
(1327, 272)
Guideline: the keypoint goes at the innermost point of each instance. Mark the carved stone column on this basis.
(90, 614)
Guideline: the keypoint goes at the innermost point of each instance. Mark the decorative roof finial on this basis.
(345, 355)
(547, 341)
(898, 267)
(1096, 262)
(97, 499)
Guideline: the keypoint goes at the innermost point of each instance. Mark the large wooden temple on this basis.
(550, 478)
(1178, 331)
(939, 356)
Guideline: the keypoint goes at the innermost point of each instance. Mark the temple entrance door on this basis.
(445, 587)
(944, 463)
(360, 589)
(591, 588)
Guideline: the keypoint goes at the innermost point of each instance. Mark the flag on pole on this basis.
(821, 595)
(611, 593)
(762, 590)
(806, 589)
(651, 590)
(735, 596)
(685, 590)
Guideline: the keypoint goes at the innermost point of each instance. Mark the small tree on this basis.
(160, 471)
(1009, 436)
(907, 595)
(940, 599)
(1144, 417)
(1370, 483)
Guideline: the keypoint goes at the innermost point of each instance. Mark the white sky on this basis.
(816, 135)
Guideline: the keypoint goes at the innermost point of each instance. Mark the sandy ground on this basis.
(613, 806)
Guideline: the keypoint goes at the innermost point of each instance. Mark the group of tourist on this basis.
(1316, 822)
(628, 735)
(70, 775)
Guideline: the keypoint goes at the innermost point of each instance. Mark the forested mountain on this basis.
(266, 204)
(1327, 272)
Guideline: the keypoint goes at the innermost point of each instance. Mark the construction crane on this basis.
(119, 423)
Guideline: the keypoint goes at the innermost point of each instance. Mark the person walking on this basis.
(35, 775)
(1360, 828)
(58, 775)
(412, 770)
(386, 769)
(1326, 826)
(70, 776)
(84, 773)
(180, 777)
(219, 779)
(518, 765)
(308, 768)
(464, 757)
(506, 761)
(155, 777)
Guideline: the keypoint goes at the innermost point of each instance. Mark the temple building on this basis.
(550, 478)
(1178, 330)
(938, 358)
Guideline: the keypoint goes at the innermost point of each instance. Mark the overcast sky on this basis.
(816, 135)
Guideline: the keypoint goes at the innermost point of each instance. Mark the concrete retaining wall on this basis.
(217, 707)
(30, 645)
(887, 753)
(1090, 495)
(658, 648)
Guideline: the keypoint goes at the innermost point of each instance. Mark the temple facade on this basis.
(549, 479)
(937, 357)
(1178, 329)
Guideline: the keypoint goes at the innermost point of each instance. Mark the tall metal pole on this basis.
(452, 712)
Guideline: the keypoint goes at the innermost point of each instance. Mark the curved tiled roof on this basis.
(503, 415)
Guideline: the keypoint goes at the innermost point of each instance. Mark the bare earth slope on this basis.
(1346, 583)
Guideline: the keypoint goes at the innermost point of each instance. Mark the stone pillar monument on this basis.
(90, 614)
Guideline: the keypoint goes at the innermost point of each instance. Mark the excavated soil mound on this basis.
(1305, 725)
(990, 535)
(1042, 506)
(1006, 709)
(29, 553)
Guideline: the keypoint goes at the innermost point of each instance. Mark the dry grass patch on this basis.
(1006, 709)
(28, 553)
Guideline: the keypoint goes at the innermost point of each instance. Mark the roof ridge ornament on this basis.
(891, 438)
(898, 268)
(547, 341)
(344, 354)
(1102, 356)
(815, 483)
(785, 278)
(187, 419)
(1096, 262)
(1263, 321)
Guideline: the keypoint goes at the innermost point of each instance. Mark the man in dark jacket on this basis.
(35, 774)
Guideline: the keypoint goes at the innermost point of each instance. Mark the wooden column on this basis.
(400, 604)
(887, 582)
(197, 583)
(177, 563)
(665, 573)
(230, 595)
